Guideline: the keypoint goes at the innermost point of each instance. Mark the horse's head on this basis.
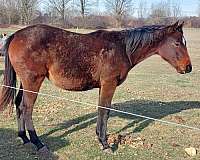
(173, 49)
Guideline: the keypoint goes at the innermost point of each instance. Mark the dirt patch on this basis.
(134, 142)
(177, 119)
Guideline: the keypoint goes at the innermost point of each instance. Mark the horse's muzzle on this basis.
(188, 68)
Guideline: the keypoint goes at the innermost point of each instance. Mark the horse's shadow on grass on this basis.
(154, 109)
(1, 72)
(11, 147)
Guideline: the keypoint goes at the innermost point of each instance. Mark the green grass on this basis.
(153, 88)
(8, 31)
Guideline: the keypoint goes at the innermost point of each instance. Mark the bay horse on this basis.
(79, 62)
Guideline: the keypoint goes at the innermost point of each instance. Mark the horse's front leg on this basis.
(105, 97)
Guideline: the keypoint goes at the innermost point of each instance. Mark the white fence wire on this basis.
(111, 109)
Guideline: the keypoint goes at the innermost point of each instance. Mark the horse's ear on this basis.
(175, 24)
(172, 28)
(181, 25)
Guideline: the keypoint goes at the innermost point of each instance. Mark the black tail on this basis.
(8, 94)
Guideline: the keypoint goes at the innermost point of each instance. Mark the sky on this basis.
(189, 7)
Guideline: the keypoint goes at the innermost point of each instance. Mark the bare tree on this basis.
(84, 7)
(119, 9)
(176, 10)
(142, 9)
(52, 14)
(9, 11)
(2, 12)
(161, 9)
(60, 6)
(167, 7)
(27, 9)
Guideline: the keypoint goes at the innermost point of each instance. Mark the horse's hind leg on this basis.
(20, 119)
(27, 104)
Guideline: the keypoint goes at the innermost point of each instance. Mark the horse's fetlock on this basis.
(22, 135)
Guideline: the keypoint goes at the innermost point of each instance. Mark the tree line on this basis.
(92, 13)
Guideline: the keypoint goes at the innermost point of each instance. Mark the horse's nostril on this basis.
(188, 68)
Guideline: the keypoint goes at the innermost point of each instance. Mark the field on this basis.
(153, 88)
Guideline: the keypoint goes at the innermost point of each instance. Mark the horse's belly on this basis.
(74, 84)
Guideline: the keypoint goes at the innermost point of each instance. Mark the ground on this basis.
(153, 88)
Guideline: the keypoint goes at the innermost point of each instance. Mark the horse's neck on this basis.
(141, 55)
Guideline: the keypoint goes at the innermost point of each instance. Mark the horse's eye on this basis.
(177, 44)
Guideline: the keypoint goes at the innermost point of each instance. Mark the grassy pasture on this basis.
(153, 88)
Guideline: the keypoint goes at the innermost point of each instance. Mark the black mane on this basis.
(147, 36)
(134, 38)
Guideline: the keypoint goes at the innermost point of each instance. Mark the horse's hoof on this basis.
(29, 145)
(44, 151)
(45, 154)
(108, 151)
